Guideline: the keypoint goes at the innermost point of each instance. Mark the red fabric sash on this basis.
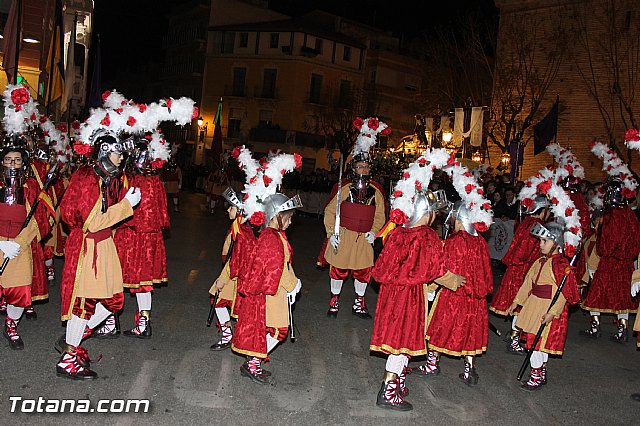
(13, 217)
(357, 217)
(543, 291)
(101, 235)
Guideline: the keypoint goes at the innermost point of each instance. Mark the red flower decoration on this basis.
(569, 169)
(481, 191)
(131, 121)
(481, 226)
(422, 161)
(397, 193)
(554, 201)
(168, 103)
(253, 180)
(267, 180)
(105, 95)
(245, 196)
(451, 160)
(63, 127)
(282, 172)
(467, 174)
(82, 148)
(358, 123)
(398, 216)
(43, 119)
(106, 121)
(527, 202)
(386, 131)
(486, 206)
(33, 117)
(373, 123)
(157, 163)
(257, 219)
(569, 250)
(20, 96)
(628, 193)
(75, 125)
(142, 107)
(236, 152)
(298, 159)
(196, 112)
(418, 185)
(568, 211)
(118, 110)
(406, 175)
(468, 188)
(544, 187)
(632, 135)
(574, 230)
(263, 162)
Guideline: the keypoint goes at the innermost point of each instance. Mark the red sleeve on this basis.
(562, 268)
(524, 248)
(468, 256)
(265, 271)
(242, 251)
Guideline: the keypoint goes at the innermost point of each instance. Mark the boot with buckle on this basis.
(359, 308)
(334, 306)
(11, 333)
(225, 340)
(389, 395)
(74, 364)
(143, 328)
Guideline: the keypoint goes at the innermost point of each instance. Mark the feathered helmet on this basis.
(569, 171)
(621, 185)
(20, 116)
(56, 138)
(531, 200)
(152, 153)
(369, 130)
(411, 198)
(553, 231)
(545, 183)
(632, 139)
(261, 200)
(474, 210)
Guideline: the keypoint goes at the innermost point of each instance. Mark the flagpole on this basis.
(18, 37)
(71, 50)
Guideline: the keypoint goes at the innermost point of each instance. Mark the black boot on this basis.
(389, 395)
(621, 334)
(109, 329)
(74, 364)
(252, 369)
(11, 333)
(359, 308)
(593, 331)
(30, 313)
(514, 346)
(334, 306)
(225, 340)
(143, 328)
(469, 375)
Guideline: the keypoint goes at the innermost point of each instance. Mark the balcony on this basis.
(262, 92)
(234, 90)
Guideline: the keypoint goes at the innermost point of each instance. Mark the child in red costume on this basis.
(535, 296)
(458, 321)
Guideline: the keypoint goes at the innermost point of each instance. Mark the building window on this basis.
(228, 41)
(315, 88)
(244, 39)
(344, 100)
(319, 46)
(274, 40)
(239, 77)
(265, 118)
(373, 77)
(269, 83)
(346, 54)
(233, 130)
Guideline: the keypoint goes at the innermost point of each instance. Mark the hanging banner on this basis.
(477, 118)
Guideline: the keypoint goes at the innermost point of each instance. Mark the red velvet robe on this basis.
(139, 239)
(555, 333)
(39, 283)
(524, 250)
(617, 245)
(241, 258)
(585, 224)
(261, 277)
(81, 196)
(459, 321)
(411, 258)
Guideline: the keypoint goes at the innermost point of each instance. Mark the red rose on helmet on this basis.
(196, 112)
(267, 180)
(131, 121)
(527, 202)
(20, 96)
(142, 108)
(168, 103)
(543, 187)
(418, 185)
(157, 163)
(63, 127)
(574, 230)
(257, 218)
(628, 193)
(236, 152)
(106, 121)
(82, 148)
(486, 206)
(397, 194)
(358, 123)
(105, 95)
(632, 135)
(386, 131)
(468, 188)
(481, 191)
(245, 196)
(373, 123)
(569, 250)
(75, 125)
(43, 119)
(406, 175)
(298, 159)
(568, 211)
(398, 216)
(253, 180)
(481, 226)
(422, 161)
(451, 160)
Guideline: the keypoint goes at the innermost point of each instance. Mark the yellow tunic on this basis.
(277, 306)
(354, 251)
(19, 270)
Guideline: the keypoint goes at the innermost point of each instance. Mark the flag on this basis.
(10, 35)
(55, 59)
(546, 129)
(216, 142)
(69, 71)
(95, 90)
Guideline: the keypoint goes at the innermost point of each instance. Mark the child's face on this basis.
(547, 247)
(233, 212)
(286, 222)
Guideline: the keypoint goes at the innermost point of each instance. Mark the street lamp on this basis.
(505, 160)
(447, 135)
(200, 121)
(202, 125)
(477, 157)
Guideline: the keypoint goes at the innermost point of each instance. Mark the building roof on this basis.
(317, 23)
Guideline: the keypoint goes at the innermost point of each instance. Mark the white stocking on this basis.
(336, 286)
(623, 316)
(223, 315)
(537, 359)
(396, 363)
(14, 312)
(513, 323)
(98, 316)
(360, 287)
(271, 343)
(75, 330)
(144, 301)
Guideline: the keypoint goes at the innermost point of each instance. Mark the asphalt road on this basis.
(327, 376)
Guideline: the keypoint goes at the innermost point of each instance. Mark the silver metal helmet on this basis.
(426, 202)
(461, 212)
(549, 231)
(539, 203)
(278, 203)
(232, 198)
(613, 195)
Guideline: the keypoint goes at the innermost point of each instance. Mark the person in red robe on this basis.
(91, 287)
(17, 196)
(140, 244)
(410, 258)
(522, 252)
(617, 245)
(237, 253)
(535, 296)
(458, 322)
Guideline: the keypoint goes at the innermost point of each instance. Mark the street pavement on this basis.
(327, 376)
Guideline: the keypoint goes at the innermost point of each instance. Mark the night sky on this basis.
(131, 31)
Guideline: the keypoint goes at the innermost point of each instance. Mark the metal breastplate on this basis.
(366, 195)
(12, 192)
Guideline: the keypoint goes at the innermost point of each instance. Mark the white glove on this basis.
(334, 240)
(431, 296)
(10, 248)
(293, 293)
(370, 236)
(635, 289)
(133, 196)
